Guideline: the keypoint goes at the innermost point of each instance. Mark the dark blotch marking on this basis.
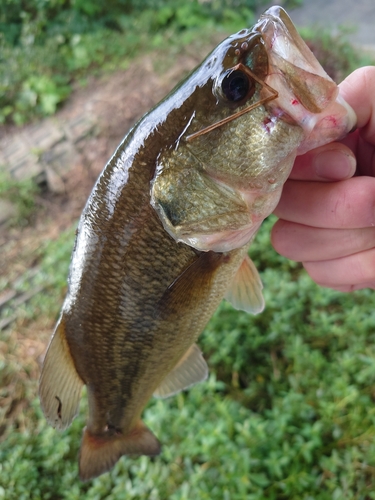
(112, 430)
(59, 408)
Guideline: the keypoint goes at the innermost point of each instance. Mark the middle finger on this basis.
(346, 204)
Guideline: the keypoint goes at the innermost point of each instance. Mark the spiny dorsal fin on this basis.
(245, 292)
(60, 385)
(98, 454)
(190, 370)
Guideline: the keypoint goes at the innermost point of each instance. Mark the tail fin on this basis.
(60, 385)
(99, 454)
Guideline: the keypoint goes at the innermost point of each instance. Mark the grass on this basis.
(288, 411)
(52, 55)
(22, 195)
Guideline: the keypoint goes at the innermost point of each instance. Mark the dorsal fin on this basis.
(245, 292)
(60, 385)
(190, 370)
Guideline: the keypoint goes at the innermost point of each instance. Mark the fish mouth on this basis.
(306, 94)
(290, 57)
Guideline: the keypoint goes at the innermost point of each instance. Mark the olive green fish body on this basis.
(132, 327)
(165, 233)
(137, 299)
(125, 303)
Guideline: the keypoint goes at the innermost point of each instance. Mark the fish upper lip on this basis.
(307, 95)
(283, 40)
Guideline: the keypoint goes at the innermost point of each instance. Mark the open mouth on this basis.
(305, 92)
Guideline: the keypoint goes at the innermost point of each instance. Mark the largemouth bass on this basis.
(165, 233)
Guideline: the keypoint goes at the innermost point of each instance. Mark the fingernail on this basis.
(334, 165)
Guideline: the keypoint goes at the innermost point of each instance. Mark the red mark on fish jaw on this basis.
(295, 102)
(268, 124)
(332, 121)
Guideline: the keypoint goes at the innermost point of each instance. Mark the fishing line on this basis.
(228, 119)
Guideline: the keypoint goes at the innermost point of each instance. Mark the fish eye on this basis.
(236, 85)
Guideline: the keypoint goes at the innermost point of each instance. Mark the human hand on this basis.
(330, 226)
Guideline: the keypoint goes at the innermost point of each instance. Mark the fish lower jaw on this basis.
(331, 123)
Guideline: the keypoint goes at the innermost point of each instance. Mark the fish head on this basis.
(259, 99)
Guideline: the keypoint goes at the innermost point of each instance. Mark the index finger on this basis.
(358, 91)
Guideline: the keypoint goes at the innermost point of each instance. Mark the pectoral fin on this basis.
(60, 385)
(189, 288)
(245, 292)
(190, 370)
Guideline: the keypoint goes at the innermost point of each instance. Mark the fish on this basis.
(165, 233)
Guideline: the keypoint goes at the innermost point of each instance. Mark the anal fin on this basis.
(191, 369)
(60, 385)
(98, 454)
(245, 292)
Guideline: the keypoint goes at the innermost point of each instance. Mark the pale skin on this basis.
(327, 209)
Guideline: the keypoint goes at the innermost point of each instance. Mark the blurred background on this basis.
(357, 18)
(288, 411)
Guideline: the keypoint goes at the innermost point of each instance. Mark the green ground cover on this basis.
(47, 47)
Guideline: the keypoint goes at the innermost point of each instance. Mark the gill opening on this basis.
(245, 69)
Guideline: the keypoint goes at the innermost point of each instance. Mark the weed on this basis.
(48, 46)
(22, 194)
